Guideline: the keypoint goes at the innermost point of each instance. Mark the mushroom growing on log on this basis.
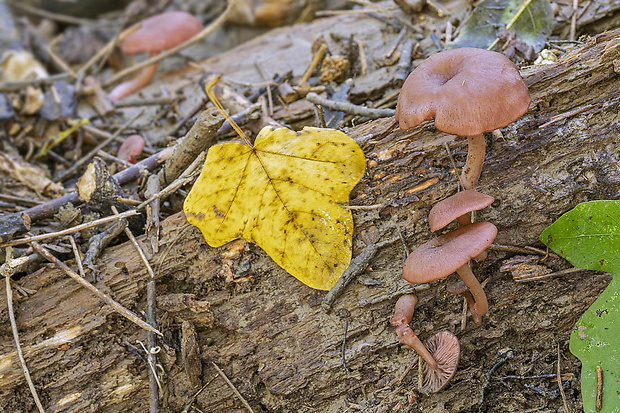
(457, 207)
(467, 92)
(450, 253)
(272, 336)
(441, 352)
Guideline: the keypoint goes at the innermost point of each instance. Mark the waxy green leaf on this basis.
(532, 20)
(589, 237)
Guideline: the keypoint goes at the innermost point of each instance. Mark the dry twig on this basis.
(152, 232)
(84, 159)
(232, 386)
(152, 361)
(61, 18)
(567, 271)
(107, 48)
(200, 137)
(68, 231)
(349, 107)
(316, 60)
(7, 270)
(559, 379)
(115, 305)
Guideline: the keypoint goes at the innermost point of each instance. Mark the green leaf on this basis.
(532, 21)
(596, 342)
(589, 237)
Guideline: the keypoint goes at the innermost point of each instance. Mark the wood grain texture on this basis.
(269, 333)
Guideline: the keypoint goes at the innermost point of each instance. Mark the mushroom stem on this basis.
(461, 289)
(133, 85)
(403, 314)
(481, 305)
(470, 302)
(475, 159)
(464, 219)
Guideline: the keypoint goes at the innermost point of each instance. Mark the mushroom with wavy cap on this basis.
(450, 253)
(468, 92)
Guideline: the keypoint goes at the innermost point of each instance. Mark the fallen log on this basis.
(268, 332)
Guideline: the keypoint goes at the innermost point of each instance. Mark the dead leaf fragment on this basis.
(33, 101)
(32, 176)
(20, 65)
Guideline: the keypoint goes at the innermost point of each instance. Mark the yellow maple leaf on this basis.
(285, 194)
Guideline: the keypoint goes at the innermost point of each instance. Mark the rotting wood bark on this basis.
(270, 335)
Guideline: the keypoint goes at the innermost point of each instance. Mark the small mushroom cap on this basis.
(161, 32)
(461, 203)
(442, 256)
(467, 91)
(446, 350)
(403, 310)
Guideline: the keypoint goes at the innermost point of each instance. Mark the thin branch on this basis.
(156, 388)
(61, 18)
(191, 401)
(397, 41)
(71, 230)
(573, 20)
(149, 102)
(115, 305)
(86, 158)
(154, 385)
(185, 178)
(521, 250)
(57, 59)
(21, 84)
(9, 301)
(232, 386)
(152, 232)
(356, 267)
(567, 271)
(137, 246)
(316, 59)
(107, 48)
(76, 254)
(559, 379)
(8, 269)
(349, 107)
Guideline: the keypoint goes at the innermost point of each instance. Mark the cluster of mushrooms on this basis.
(467, 92)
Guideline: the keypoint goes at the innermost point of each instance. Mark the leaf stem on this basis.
(512, 22)
(220, 108)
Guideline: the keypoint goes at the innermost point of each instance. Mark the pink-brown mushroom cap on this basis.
(461, 203)
(161, 32)
(446, 350)
(131, 148)
(443, 255)
(467, 91)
